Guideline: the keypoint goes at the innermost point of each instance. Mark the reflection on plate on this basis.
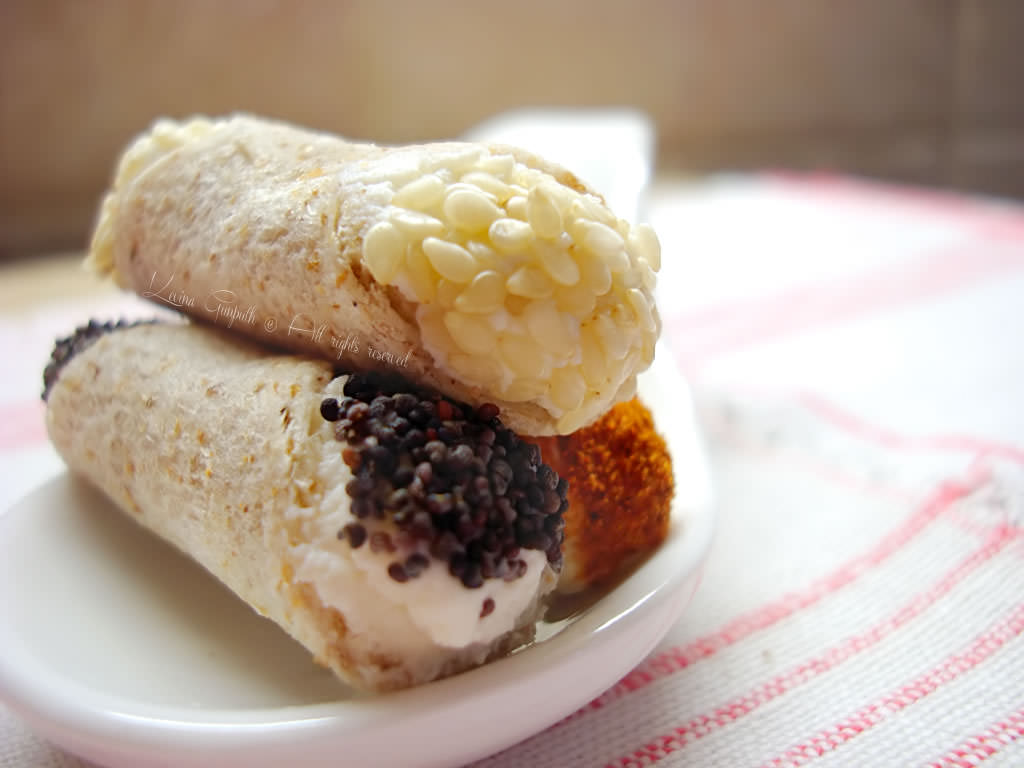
(118, 648)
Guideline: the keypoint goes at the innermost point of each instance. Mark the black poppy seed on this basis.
(490, 542)
(362, 508)
(417, 490)
(471, 576)
(538, 540)
(419, 416)
(421, 525)
(444, 410)
(448, 433)
(354, 533)
(439, 503)
(554, 525)
(508, 512)
(413, 438)
(405, 402)
(548, 478)
(525, 525)
(488, 567)
(357, 412)
(351, 457)
(397, 572)
(416, 563)
(532, 452)
(457, 563)
(535, 496)
(462, 457)
(552, 502)
(482, 487)
(399, 498)
(484, 453)
(381, 542)
(424, 472)
(330, 409)
(465, 528)
(487, 411)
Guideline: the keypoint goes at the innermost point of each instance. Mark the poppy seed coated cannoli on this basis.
(477, 270)
(400, 536)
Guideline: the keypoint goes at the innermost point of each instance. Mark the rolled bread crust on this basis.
(198, 437)
(252, 213)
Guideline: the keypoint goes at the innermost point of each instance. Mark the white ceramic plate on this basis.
(119, 649)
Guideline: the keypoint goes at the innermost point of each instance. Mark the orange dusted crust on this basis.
(620, 492)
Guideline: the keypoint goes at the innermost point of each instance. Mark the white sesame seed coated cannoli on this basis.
(478, 270)
(399, 536)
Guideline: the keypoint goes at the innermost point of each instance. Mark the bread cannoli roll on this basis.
(620, 489)
(399, 536)
(478, 270)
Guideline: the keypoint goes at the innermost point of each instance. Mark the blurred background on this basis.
(919, 91)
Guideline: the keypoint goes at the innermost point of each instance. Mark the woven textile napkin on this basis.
(856, 355)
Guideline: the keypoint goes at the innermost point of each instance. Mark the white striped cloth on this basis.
(857, 355)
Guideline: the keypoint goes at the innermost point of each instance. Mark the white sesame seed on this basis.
(578, 300)
(510, 235)
(489, 184)
(450, 259)
(522, 356)
(383, 250)
(469, 209)
(422, 276)
(486, 293)
(470, 334)
(420, 194)
(543, 214)
(417, 225)
(567, 389)
(516, 207)
(643, 243)
(548, 327)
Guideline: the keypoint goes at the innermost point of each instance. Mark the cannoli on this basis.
(620, 489)
(400, 536)
(477, 270)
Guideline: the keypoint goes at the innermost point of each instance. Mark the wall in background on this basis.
(924, 91)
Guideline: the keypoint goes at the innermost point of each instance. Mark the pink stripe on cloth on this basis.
(889, 197)
(873, 714)
(699, 337)
(854, 425)
(677, 659)
(702, 725)
(22, 425)
(985, 744)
